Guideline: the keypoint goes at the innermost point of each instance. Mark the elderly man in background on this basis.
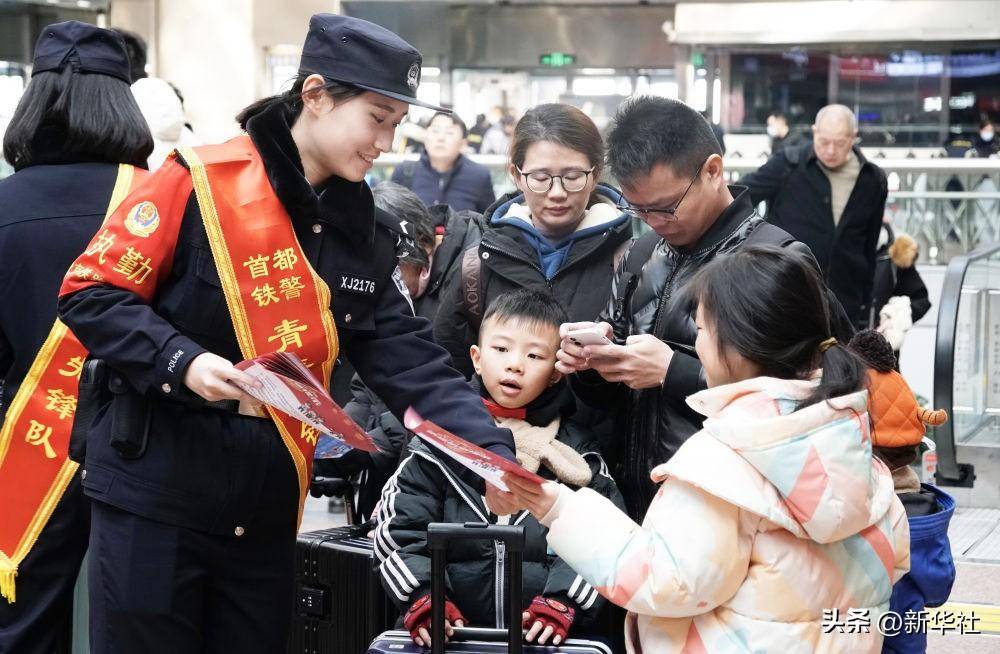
(827, 195)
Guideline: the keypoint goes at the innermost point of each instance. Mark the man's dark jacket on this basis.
(657, 421)
(466, 186)
(798, 197)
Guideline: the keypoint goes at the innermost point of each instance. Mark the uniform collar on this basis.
(346, 206)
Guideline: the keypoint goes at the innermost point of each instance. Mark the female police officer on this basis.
(227, 252)
(75, 140)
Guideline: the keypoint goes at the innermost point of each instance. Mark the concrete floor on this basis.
(976, 583)
(316, 515)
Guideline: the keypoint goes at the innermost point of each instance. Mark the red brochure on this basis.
(484, 463)
(290, 387)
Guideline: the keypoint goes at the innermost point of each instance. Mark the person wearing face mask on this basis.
(560, 230)
(444, 175)
(829, 196)
(266, 243)
(780, 132)
(985, 142)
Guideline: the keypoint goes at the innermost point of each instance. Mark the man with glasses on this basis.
(444, 175)
(827, 195)
(670, 168)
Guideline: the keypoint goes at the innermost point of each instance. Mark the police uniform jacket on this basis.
(214, 470)
(49, 211)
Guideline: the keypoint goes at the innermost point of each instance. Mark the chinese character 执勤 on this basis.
(134, 266)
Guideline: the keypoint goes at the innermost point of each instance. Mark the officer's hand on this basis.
(209, 376)
(572, 357)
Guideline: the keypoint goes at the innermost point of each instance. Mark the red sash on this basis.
(276, 300)
(34, 466)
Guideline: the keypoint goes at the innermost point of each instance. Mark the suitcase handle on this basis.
(439, 534)
(483, 634)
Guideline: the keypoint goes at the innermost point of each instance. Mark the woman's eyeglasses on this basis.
(541, 182)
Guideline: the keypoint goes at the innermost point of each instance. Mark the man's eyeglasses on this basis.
(640, 212)
(541, 182)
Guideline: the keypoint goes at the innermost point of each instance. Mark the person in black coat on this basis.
(444, 175)
(72, 130)
(515, 364)
(560, 231)
(672, 174)
(196, 501)
(827, 195)
(900, 298)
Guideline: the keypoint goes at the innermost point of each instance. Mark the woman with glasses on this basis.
(560, 230)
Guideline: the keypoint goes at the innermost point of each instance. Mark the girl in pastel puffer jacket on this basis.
(774, 529)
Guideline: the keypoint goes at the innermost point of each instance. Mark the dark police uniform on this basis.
(193, 528)
(49, 211)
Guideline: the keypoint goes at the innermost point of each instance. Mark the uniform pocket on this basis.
(354, 312)
(202, 309)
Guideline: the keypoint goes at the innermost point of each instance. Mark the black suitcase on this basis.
(339, 601)
(476, 640)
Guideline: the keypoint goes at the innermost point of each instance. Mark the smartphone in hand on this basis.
(590, 336)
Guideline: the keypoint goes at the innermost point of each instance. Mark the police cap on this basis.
(362, 54)
(88, 49)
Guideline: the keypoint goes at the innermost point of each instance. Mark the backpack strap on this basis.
(635, 259)
(472, 287)
(473, 291)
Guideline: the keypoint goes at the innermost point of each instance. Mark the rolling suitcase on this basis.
(475, 640)
(339, 601)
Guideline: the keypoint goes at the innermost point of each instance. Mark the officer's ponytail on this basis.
(292, 98)
(769, 305)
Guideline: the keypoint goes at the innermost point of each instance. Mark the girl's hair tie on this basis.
(827, 344)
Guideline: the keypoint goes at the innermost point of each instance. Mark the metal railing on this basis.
(950, 206)
(967, 360)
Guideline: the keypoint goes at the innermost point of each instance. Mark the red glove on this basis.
(551, 613)
(418, 616)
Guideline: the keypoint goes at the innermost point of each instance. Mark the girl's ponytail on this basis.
(843, 372)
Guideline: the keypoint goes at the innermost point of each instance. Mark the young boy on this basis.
(897, 430)
(515, 372)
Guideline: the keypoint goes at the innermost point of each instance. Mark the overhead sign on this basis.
(556, 59)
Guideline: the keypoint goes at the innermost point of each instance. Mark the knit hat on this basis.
(897, 419)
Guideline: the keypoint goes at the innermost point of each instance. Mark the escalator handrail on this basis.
(948, 468)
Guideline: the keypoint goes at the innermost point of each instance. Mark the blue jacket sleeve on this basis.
(405, 367)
